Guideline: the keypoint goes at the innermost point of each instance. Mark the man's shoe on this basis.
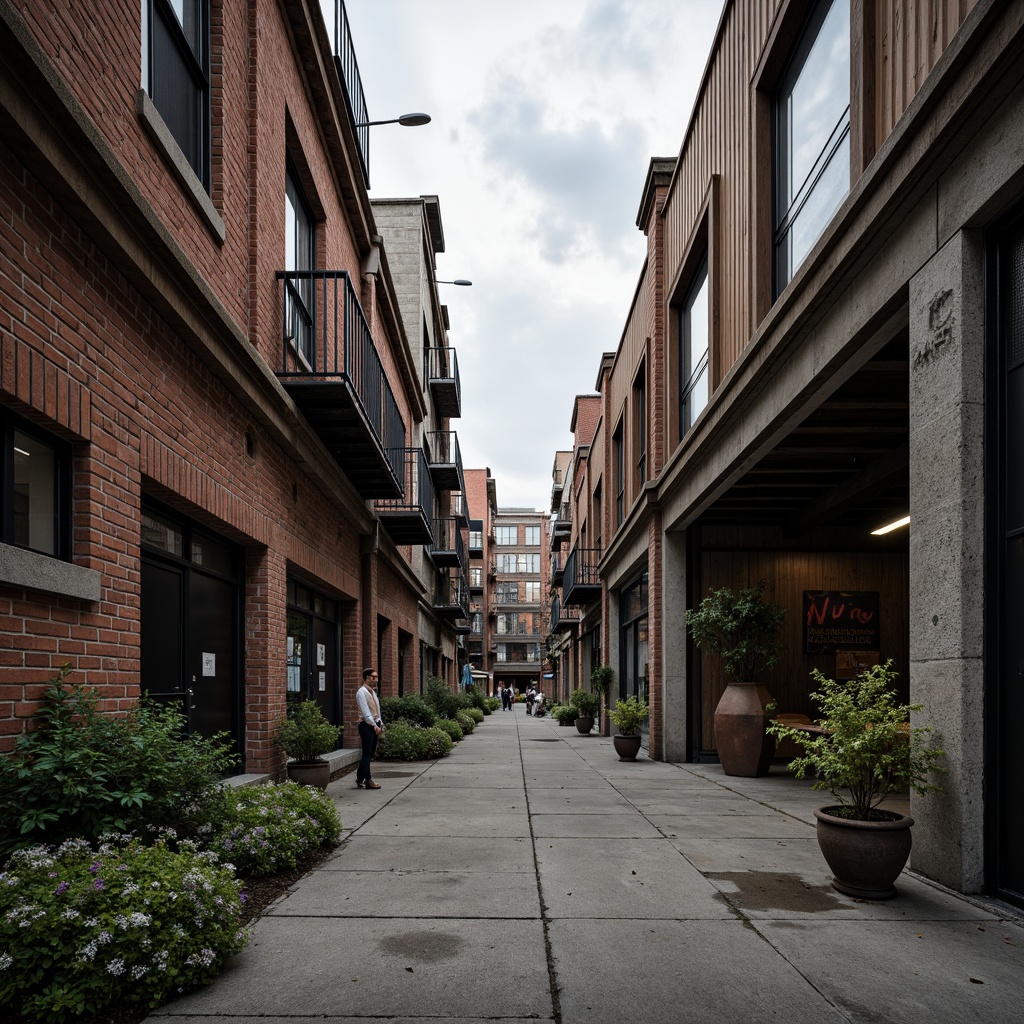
(370, 784)
(359, 783)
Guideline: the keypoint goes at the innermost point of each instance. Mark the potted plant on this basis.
(628, 715)
(564, 714)
(865, 750)
(586, 706)
(305, 735)
(743, 628)
(601, 679)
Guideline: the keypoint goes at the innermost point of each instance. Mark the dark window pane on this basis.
(35, 494)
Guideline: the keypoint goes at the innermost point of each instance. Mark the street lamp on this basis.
(406, 120)
(459, 281)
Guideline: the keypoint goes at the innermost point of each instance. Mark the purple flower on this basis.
(95, 867)
(98, 884)
(62, 888)
(242, 897)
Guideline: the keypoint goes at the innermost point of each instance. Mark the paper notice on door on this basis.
(293, 678)
(209, 664)
(321, 654)
(323, 681)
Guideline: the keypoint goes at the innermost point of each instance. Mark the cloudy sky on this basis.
(545, 116)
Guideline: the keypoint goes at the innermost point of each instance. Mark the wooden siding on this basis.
(910, 36)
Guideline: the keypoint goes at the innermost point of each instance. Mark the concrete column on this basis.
(673, 646)
(946, 553)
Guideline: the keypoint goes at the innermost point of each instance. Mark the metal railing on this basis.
(581, 576)
(443, 446)
(348, 71)
(448, 537)
(325, 336)
(443, 364)
(417, 487)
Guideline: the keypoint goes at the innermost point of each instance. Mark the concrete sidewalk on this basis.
(531, 875)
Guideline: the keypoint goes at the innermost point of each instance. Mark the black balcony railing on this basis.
(451, 595)
(407, 519)
(581, 581)
(448, 548)
(557, 568)
(556, 489)
(563, 618)
(352, 83)
(561, 526)
(446, 460)
(331, 368)
(443, 380)
(459, 507)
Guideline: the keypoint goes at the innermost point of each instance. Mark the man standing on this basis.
(370, 725)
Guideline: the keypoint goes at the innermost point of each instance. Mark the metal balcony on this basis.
(445, 460)
(443, 381)
(448, 548)
(581, 582)
(451, 595)
(476, 582)
(407, 519)
(459, 507)
(563, 618)
(556, 489)
(352, 82)
(557, 568)
(332, 370)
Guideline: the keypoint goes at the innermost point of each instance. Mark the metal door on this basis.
(162, 632)
(212, 616)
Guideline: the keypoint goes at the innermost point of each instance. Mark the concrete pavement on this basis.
(531, 875)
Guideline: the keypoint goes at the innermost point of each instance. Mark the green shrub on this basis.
(586, 704)
(403, 741)
(453, 729)
(441, 698)
(473, 698)
(265, 829)
(465, 720)
(492, 703)
(476, 714)
(412, 708)
(305, 734)
(82, 774)
(83, 928)
(564, 714)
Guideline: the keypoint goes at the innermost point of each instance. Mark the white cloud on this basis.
(545, 116)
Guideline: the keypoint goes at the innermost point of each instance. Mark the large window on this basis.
(507, 592)
(518, 563)
(619, 457)
(35, 489)
(513, 653)
(531, 536)
(177, 74)
(506, 535)
(811, 136)
(694, 320)
(299, 255)
(531, 592)
(640, 424)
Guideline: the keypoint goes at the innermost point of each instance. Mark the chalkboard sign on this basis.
(840, 620)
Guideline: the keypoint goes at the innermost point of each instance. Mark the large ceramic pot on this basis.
(310, 773)
(627, 747)
(866, 857)
(584, 724)
(744, 748)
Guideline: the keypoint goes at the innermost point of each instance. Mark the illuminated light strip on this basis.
(892, 526)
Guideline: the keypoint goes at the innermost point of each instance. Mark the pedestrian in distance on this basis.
(370, 726)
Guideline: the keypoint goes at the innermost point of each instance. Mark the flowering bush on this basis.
(264, 829)
(83, 927)
(476, 714)
(465, 720)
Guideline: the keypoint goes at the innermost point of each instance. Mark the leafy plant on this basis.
(586, 704)
(466, 721)
(742, 627)
(564, 714)
(441, 698)
(265, 829)
(83, 928)
(81, 774)
(476, 714)
(601, 679)
(453, 729)
(868, 748)
(305, 734)
(411, 707)
(404, 741)
(628, 715)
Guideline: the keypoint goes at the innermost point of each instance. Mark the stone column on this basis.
(673, 646)
(946, 553)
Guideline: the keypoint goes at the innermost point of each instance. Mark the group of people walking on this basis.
(533, 699)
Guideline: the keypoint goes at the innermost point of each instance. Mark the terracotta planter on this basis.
(584, 725)
(744, 748)
(627, 747)
(311, 773)
(866, 857)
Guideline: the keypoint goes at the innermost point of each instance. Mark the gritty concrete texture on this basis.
(473, 903)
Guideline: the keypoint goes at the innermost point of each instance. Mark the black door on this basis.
(313, 656)
(190, 613)
(1005, 649)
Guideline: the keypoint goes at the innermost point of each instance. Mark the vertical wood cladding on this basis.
(910, 36)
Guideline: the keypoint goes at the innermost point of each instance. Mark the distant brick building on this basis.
(205, 378)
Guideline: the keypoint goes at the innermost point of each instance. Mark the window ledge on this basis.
(161, 135)
(21, 568)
